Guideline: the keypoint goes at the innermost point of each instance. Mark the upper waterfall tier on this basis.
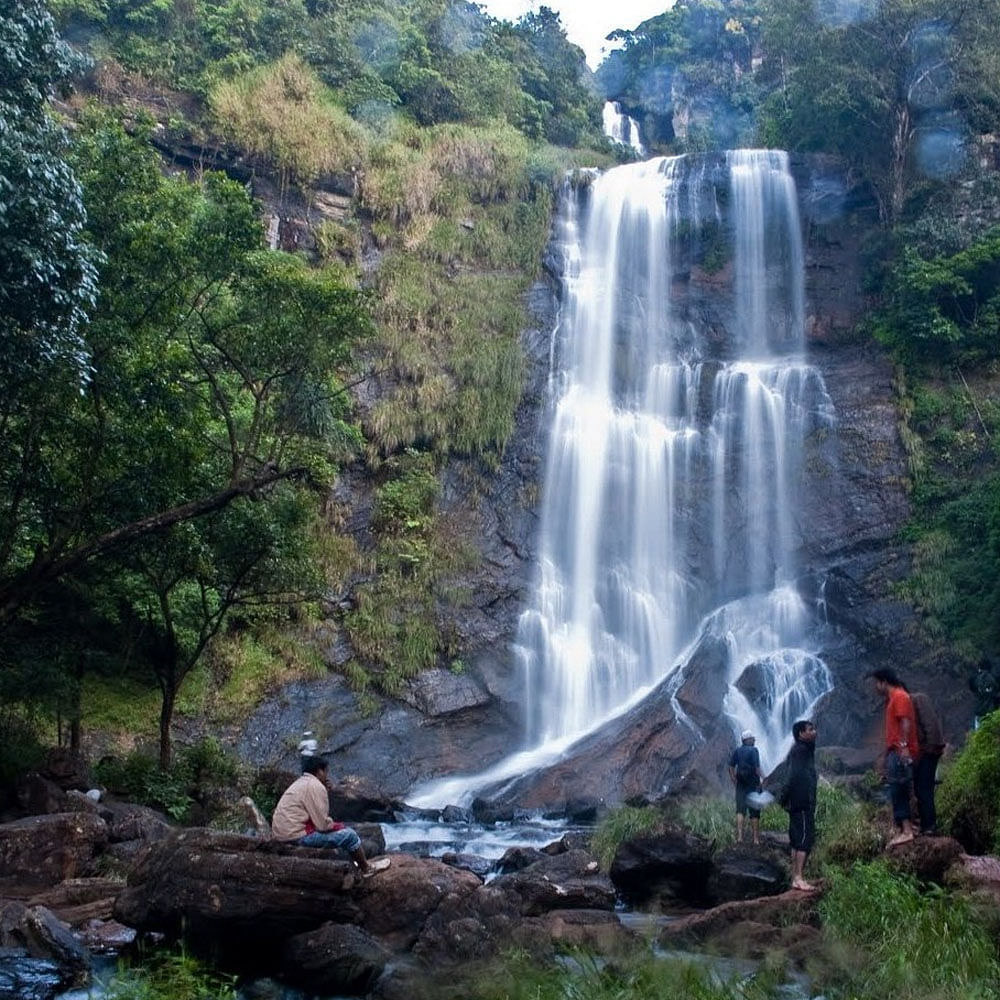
(620, 128)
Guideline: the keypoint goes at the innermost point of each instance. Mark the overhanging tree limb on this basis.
(48, 566)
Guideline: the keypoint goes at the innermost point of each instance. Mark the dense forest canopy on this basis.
(179, 399)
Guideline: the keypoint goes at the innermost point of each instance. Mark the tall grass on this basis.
(623, 824)
(520, 976)
(283, 115)
(170, 976)
(904, 942)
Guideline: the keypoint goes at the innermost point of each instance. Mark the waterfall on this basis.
(620, 128)
(669, 510)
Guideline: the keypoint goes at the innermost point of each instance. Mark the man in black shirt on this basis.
(799, 798)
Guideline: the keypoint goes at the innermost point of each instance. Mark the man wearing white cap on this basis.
(744, 772)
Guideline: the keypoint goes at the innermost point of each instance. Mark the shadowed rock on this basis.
(44, 850)
(671, 866)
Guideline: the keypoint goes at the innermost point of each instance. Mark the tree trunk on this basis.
(166, 717)
(76, 709)
(902, 133)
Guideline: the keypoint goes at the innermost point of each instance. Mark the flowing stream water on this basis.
(670, 507)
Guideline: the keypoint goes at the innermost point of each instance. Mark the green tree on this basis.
(212, 392)
(875, 82)
(46, 269)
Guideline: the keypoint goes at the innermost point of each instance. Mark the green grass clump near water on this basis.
(170, 976)
(578, 976)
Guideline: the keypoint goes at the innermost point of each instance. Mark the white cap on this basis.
(747, 735)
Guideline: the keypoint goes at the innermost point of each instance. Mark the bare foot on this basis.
(802, 885)
(901, 838)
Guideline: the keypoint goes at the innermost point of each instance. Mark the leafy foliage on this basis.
(696, 57)
(435, 60)
(47, 274)
(178, 485)
(968, 799)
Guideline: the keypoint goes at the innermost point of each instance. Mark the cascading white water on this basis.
(620, 128)
(669, 510)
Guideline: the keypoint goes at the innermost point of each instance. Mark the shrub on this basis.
(968, 801)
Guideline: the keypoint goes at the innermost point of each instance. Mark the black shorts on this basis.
(742, 806)
(801, 829)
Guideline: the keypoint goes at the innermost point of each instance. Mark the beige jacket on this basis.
(305, 799)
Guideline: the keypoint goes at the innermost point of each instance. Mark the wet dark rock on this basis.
(746, 872)
(357, 798)
(37, 933)
(25, 978)
(569, 881)
(105, 936)
(456, 814)
(516, 859)
(334, 959)
(488, 813)
(480, 867)
(666, 868)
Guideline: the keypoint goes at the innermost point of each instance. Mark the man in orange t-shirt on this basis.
(901, 748)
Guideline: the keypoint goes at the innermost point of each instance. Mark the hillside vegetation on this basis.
(181, 399)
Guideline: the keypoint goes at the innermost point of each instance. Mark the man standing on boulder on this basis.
(930, 736)
(302, 817)
(799, 798)
(744, 772)
(902, 748)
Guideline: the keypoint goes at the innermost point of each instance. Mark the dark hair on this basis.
(798, 728)
(888, 676)
(310, 765)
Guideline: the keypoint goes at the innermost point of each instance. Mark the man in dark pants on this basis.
(931, 739)
(902, 749)
(745, 774)
(799, 798)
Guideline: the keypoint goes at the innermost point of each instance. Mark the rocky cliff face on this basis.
(852, 506)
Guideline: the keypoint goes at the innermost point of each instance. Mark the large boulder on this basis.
(752, 928)
(44, 850)
(742, 872)
(569, 881)
(236, 886)
(666, 868)
(311, 914)
(334, 959)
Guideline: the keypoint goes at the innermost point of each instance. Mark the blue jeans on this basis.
(346, 839)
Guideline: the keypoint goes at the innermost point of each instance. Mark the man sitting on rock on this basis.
(302, 817)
